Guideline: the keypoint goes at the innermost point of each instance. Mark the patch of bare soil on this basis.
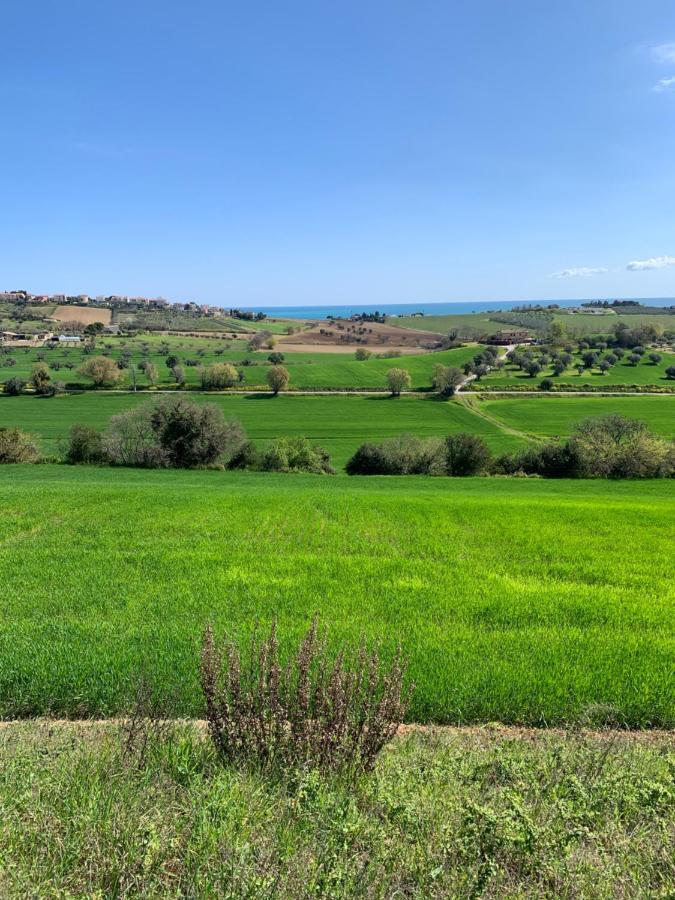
(347, 336)
(85, 314)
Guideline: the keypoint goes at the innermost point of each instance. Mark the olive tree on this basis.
(277, 379)
(446, 379)
(398, 380)
(101, 370)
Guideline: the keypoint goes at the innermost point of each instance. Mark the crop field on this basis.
(587, 323)
(516, 600)
(468, 324)
(322, 371)
(338, 423)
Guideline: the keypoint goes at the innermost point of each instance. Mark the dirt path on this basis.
(469, 402)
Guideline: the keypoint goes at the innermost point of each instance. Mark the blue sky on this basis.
(301, 151)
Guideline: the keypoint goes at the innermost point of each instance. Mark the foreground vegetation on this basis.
(462, 814)
(516, 600)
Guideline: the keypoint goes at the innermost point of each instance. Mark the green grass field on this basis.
(322, 371)
(468, 325)
(339, 423)
(516, 600)
(557, 415)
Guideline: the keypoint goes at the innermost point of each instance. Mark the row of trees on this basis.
(607, 446)
(105, 372)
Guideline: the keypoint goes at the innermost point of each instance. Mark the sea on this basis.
(459, 307)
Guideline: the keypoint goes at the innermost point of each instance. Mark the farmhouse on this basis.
(514, 336)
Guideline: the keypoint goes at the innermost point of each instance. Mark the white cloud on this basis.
(655, 262)
(580, 271)
(664, 53)
(665, 84)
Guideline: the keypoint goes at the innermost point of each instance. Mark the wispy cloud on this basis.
(655, 262)
(579, 271)
(664, 53)
(665, 84)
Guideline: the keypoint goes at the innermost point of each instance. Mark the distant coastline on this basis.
(429, 309)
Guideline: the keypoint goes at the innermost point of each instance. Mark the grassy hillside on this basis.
(516, 600)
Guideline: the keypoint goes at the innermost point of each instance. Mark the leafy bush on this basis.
(466, 454)
(173, 433)
(17, 447)
(218, 376)
(362, 353)
(614, 446)
(296, 455)
(311, 713)
(84, 445)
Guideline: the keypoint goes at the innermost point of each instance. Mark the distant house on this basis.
(514, 336)
(65, 339)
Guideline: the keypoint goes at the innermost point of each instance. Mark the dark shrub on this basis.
(315, 712)
(194, 434)
(246, 457)
(550, 461)
(276, 358)
(84, 445)
(15, 386)
(368, 460)
(404, 455)
(465, 454)
(546, 384)
(17, 447)
(174, 432)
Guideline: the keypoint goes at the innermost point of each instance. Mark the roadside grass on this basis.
(487, 813)
(517, 600)
(339, 423)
